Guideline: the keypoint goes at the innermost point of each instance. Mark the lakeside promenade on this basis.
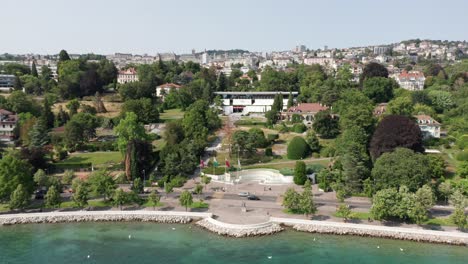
(271, 226)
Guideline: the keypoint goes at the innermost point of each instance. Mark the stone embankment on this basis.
(102, 216)
(419, 235)
(234, 230)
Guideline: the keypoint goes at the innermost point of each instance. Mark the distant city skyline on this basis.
(141, 26)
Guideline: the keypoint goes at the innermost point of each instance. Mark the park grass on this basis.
(95, 158)
(4, 208)
(113, 108)
(439, 221)
(287, 164)
(159, 144)
(199, 204)
(171, 114)
(93, 203)
(149, 205)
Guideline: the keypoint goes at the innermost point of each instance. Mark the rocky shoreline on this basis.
(124, 216)
(397, 233)
(274, 225)
(238, 231)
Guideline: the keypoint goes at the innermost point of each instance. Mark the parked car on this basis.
(243, 194)
(253, 197)
(40, 194)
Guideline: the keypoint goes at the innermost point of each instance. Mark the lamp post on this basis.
(144, 178)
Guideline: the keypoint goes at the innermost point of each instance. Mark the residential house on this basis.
(127, 76)
(429, 127)
(8, 122)
(380, 109)
(307, 111)
(164, 89)
(412, 80)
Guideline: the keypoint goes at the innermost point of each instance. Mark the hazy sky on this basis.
(151, 26)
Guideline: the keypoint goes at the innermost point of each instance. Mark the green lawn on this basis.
(442, 221)
(95, 158)
(4, 208)
(199, 204)
(93, 203)
(171, 114)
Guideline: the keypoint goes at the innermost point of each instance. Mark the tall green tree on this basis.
(292, 200)
(300, 173)
(306, 203)
(80, 128)
(401, 167)
(400, 106)
(378, 89)
(129, 129)
(63, 56)
(13, 172)
(313, 141)
(186, 199)
(144, 108)
(81, 194)
(52, 198)
(326, 125)
(222, 83)
(39, 135)
(34, 70)
(102, 184)
(20, 198)
(154, 198)
(290, 100)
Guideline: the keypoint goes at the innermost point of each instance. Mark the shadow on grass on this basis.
(167, 208)
(320, 217)
(432, 227)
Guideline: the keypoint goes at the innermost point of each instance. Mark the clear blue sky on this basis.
(151, 26)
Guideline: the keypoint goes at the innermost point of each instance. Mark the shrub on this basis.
(316, 155)
(268, 152)
(462, 156)
(299, 128)
(462, 142)
(297, 148)
(300, 173)
(296, 118)
(178, 181)
(272, 137)
(327, 151)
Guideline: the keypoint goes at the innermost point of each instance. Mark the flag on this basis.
(228, 164)
(215, 162)
(202, 164)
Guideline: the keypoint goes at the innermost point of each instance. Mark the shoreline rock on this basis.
(274, 225)
(239, 231)
(416, 235)
(114, 216)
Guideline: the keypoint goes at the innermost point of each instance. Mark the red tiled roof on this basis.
(5, 112)
(427, 120)
(411, 74)
(308, 108)
(169, 85)
(128, 71)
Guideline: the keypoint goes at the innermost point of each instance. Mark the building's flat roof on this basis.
(253, 93)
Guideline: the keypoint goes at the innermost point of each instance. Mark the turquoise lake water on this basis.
(161, 243)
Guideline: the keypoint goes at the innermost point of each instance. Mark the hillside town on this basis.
(244, 135)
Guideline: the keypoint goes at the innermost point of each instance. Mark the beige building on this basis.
(8, 121)
(429, 127)
(127, 76)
